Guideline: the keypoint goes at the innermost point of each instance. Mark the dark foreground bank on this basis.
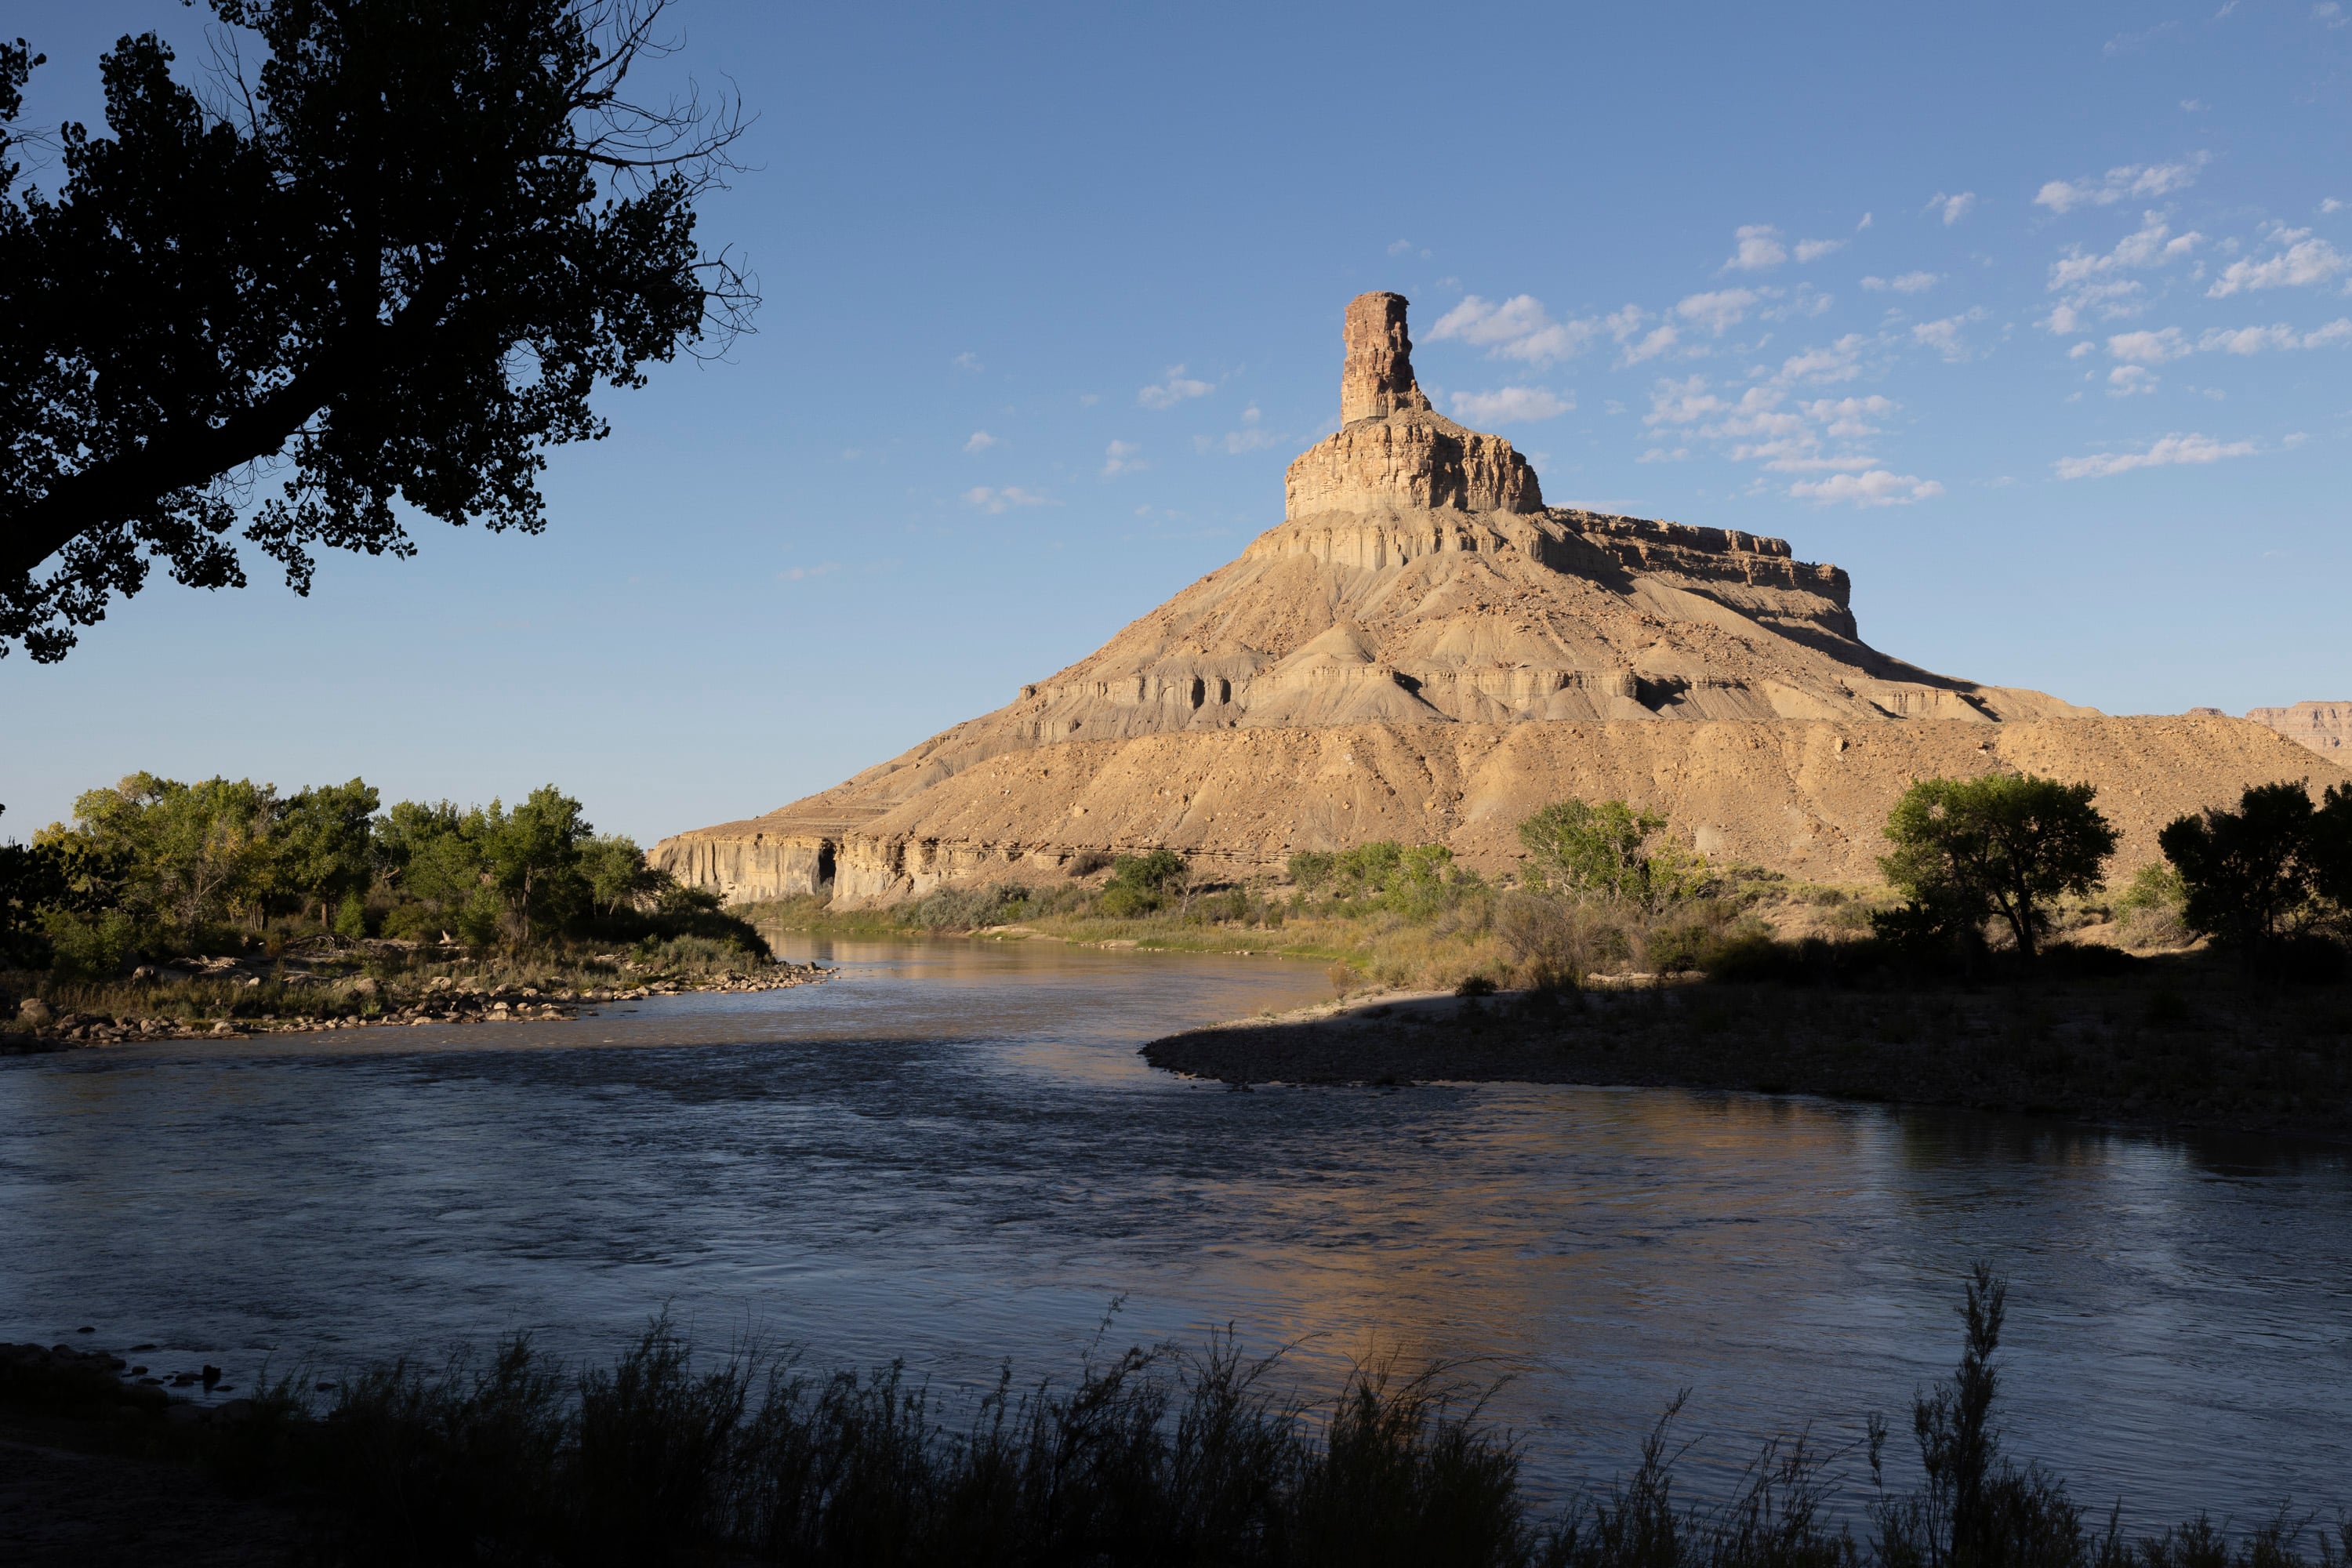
(1157, 1458)
(2190, 1047)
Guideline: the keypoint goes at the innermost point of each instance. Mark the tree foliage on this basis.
(388, 267)
(2275, 867)
(155, 864)
(1999, 843)
(1611, 850)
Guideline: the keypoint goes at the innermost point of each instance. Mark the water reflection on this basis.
(952, 1154)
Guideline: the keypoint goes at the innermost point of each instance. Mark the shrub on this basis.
(1140, 884)
(1555, 943)
(2150, 913)
(2001, 844)
(1612, 851)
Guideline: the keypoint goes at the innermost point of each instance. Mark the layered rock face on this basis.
(1420, 601)
(2323, 727)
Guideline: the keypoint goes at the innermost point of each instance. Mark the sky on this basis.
(2036, 319)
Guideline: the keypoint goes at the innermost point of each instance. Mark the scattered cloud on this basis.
(1839, 361)
(2093, 281)
(1174, 390)
(2126, 379)
(2255, 339)
(1510, 404)
(2331, 206)
(1944, 336)
(981, 442)
(1806, 301)
(1758, 249)
(1664, 455)
(2165, 453)
(2328, 13)
(1862, 225)
(2194, 105)
(1718, 310)
(994, 500)
(967, 360)
(1626, 327)
(1877, 487)
(2299, 262)
(1119, 458)
(1764, 426)
(1847, 418)
(1954, 208)
(1814, 250)
(1250, 438)
(1903, 283)
(2127, 180)
(2149, 348)
(802, 573)
(1519, 328)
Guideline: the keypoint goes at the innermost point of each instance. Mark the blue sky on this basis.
(2034, 318)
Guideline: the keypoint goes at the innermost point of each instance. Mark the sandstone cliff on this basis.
(2323, 727)
(1422, 650)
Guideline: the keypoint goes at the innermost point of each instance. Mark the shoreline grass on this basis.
(1152, 1457)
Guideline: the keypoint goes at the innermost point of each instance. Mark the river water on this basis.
(951, 1154)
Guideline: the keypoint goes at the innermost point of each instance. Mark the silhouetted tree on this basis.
(390, 264)
(2267, 870)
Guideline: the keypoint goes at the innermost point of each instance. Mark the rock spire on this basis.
(1377, 380)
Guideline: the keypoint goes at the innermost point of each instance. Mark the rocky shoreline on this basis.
(444, 1000)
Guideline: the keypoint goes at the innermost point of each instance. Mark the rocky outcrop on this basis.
(1419, 601)
(2323, 727)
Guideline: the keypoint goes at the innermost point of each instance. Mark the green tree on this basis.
(1140, 883)
(616, 873)
(1611, 850)
(323, 844)
(190, 854)
(534, 851)
(2005, 844)
(392, 264)
(2272, 866)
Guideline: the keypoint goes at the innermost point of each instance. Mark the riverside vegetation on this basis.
(165, 907)
(1155, 1457)
(1993, 969)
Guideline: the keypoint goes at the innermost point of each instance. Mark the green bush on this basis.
(1610, 851)
(90, 947)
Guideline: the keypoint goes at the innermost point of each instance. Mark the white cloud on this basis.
(2331, 206)
(1862, 225)
(2128, 180)
(1806, 301)
(1758, 247)
(1398, 247)
(2149, 348)
(1878, 487)
(1848, 418)
(966, 361)
(2094, 281)
(1236, 442)
(1839, 361)
(1904, 283)
(2126, 379)
(1509, 404)
(1173, 391)
(2301, 262)
(994, 500)
(2255, 339)
(2078, 351)
(2170, 450)
(1625, 324)
(1718, 310)
(1681, 402)
(1954, 208)
(1814, 250)
(2328, 13)
(981, 442)
(1664, 455)
(2193, 105)
(1519, 328)
(1119, 458)
(1944, 336)
(802, 573)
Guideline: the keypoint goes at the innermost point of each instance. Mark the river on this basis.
(951, 1154)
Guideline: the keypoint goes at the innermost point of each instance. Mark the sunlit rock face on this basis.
(1420, 649)
(2322, 727)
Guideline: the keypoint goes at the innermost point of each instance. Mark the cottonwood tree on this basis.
(383, 269)
(2275, 867)
(2001, 844)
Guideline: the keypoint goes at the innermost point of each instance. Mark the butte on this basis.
(1423, 650)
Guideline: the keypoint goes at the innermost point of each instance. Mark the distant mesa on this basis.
(2324, 727)
(1423, 650)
